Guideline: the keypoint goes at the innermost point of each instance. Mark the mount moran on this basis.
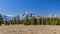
(23, 16)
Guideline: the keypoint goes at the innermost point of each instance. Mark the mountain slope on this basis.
(7, 17)
(29, 15)
(23, 16)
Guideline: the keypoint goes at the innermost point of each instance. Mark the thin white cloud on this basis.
(10, 15)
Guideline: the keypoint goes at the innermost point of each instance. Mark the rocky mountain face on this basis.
(23, 16)
(29, 15)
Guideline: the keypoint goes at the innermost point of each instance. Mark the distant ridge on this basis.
(29, 15)
(18, 17)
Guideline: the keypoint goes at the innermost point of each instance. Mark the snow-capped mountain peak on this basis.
(23, 16)
(29, 15)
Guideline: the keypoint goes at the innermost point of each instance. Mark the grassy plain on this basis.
(30, 29)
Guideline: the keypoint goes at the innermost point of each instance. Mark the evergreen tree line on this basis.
(32, 21)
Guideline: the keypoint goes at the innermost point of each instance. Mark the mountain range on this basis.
(27, 14)
(23, 16)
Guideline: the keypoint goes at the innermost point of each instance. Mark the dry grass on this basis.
(31, 29)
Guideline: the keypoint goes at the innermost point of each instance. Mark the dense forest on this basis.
(31, 21)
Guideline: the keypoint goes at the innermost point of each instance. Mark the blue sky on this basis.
(39, 7)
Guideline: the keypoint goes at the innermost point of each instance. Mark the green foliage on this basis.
(1, 19)
(32, 21)
(35, 21)
(6, 22)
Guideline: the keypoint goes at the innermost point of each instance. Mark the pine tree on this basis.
(35, 21)
(1, 19)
